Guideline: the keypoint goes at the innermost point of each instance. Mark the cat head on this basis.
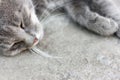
(20, 28)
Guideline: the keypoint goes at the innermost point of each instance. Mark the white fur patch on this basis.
(34, 18)
(35, 21)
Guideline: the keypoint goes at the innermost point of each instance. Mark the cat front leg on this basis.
(81, 13)
(109, 9)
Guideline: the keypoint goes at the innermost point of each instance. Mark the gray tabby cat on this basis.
(20, 28)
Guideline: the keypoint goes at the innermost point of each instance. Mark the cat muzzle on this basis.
(36, 40)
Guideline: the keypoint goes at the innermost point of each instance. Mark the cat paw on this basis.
(104, 26)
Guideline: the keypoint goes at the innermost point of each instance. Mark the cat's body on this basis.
(20, 28)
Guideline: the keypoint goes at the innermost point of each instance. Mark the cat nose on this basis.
(35, 41)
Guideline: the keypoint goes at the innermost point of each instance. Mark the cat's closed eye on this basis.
(22, 25)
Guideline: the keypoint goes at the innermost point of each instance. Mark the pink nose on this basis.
(35, 40)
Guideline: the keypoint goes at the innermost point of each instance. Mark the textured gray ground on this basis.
(86, 56)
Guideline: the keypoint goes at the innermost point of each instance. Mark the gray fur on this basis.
(19, 24)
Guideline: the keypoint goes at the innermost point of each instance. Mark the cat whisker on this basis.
(46, 13)
(42, 53)
(43, 20)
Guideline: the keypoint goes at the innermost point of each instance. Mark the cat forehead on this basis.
(15, 3)
(7, 11)
(9, 8)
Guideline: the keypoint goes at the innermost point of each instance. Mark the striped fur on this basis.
(19, 24)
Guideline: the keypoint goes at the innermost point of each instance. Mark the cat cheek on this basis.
(34, 18)
(40, 33)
